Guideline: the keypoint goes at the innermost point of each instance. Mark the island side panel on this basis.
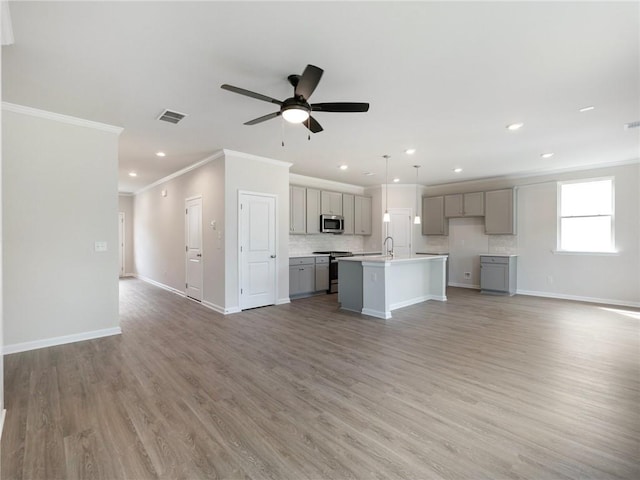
(375, 284)
(438, 272)
(350, 285)
(410, 283)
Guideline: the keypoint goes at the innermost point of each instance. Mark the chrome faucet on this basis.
(389, 250)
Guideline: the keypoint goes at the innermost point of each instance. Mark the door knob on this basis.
(199, 255)
(272, 256)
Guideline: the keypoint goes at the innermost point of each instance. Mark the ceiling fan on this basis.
(297, 109)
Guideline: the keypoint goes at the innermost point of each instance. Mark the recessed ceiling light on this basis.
(161, 154)
(343, 167)
(587, 109)
(457, 170)
(410, 151)
(515, 126)
(396, 180)
(547, 155)
(133, 174)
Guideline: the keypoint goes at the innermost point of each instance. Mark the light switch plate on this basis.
(100, 246)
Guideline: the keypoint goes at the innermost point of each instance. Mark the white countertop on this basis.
(498, 255)
(303, 255)
(390, 259)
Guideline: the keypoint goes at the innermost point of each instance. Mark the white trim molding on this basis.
(579, 298)
(159, 285)
(53, 341)
(256, 158)
(283, 301)
(219, 309)
(58, 117)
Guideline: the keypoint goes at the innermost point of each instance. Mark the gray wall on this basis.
(159, 230)
(59, 197)
(125, 205)
(541, 271)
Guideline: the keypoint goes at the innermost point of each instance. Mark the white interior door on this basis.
(257, 250)
(400, 230)
(121, 242)
(193, 240)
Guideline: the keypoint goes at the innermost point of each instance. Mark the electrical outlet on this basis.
(467, 274)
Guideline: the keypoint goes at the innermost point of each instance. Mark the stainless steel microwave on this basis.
(332, 223)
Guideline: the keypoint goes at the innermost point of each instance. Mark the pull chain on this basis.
(282, 131)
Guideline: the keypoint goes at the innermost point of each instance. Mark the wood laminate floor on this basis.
(476, 387)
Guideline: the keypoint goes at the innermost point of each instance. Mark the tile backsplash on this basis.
(506, 244)
(303, 244)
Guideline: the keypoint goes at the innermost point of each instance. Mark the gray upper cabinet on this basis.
(297, 210)
(464, 205)
(313, 210)
(433, 219)
(500, 217)
(348, 213)
(362, 215)
(331, 203)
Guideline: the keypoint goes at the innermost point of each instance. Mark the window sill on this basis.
(570, 252)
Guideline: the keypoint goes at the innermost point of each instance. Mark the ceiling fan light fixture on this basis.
(295, 114)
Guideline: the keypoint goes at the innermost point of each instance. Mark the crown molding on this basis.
(58, 117)
(317, 182)
(179, 173)
(256, 158)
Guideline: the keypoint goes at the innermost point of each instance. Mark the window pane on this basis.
(586, 198)
(586, 234)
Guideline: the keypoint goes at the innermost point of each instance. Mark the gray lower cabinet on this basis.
(322, 274)
(498, 274)
(302, 275)
(308, 275)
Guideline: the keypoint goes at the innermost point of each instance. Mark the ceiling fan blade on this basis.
(340, 107)
(308, 81)
(264, 118)
(249, 93)
(313, 125)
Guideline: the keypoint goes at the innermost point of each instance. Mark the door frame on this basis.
(276, 242)
(186, 257)
(122, 243)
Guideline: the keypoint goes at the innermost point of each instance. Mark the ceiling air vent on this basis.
(171, 116)
(629, 126)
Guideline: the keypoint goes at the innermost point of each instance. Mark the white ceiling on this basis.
(444, 78)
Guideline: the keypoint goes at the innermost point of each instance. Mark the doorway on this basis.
(121, 257)
(400, 230)
(193, 248)
(257, 249)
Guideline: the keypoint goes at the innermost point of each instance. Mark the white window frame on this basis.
(613, 250)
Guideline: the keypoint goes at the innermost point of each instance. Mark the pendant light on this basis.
(416, 219)
(386, 218)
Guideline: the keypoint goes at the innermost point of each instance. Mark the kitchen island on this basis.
(376, 285)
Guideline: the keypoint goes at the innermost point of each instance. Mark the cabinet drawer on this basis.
(302, 261)
(322, 260)
(491, 259)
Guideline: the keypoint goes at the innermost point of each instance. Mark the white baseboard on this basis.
(53, 341)
(376, 313)
(578, 298)
(3, 414)
(283, 301)
(160, 285)
(219, 309)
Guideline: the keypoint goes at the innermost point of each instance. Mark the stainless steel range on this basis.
(333, 267)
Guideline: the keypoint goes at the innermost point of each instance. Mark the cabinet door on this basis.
(322, 277)
(348, 213)
(453, 205)
(500, 210)
(313, 210)
(433, 219)
(494, 277)
(331, 203)
(362, 221)
(297, 210)
(294, 280)
(473, 204)
(307, 278)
